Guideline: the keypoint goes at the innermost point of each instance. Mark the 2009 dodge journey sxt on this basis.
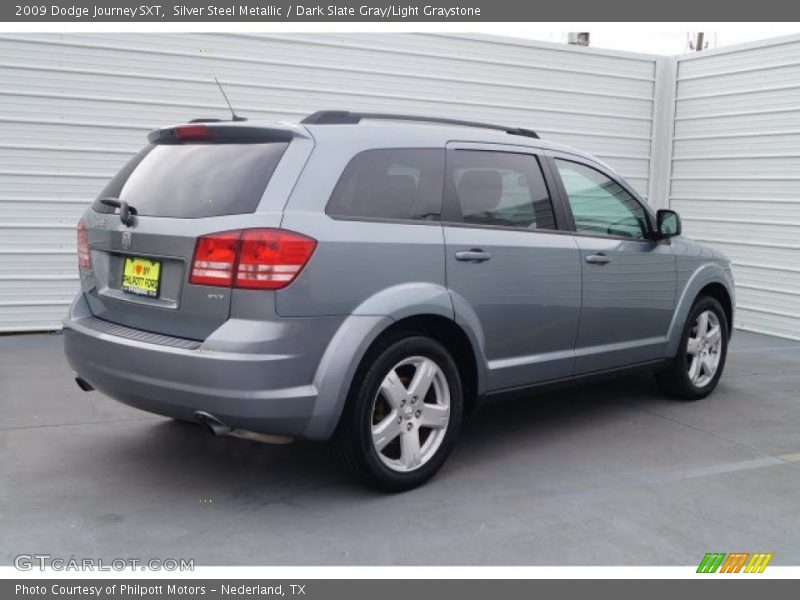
(368, 279)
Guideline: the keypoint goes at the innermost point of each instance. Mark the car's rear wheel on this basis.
(403, 414)
(696, 369)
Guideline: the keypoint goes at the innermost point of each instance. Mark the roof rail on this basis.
(345, 117)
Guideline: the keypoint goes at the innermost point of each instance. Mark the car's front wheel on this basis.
(403, 415)
(696, 369)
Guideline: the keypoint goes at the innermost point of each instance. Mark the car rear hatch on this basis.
(137, 242)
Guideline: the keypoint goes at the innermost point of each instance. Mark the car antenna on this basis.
(234, 116)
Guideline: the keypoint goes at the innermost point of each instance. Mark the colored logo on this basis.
(736, 562)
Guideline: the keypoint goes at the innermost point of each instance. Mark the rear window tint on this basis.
(195, 180)
(390, 184)
(501, 189)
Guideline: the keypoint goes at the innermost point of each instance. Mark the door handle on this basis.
(475, 255)
(598, 259)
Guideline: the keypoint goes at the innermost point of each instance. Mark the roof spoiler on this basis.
(222, 132)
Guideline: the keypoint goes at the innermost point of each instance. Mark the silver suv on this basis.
(368, 279)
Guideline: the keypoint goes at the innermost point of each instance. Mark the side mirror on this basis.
(669, 223)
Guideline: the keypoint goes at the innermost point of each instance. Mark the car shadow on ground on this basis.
(187, 452)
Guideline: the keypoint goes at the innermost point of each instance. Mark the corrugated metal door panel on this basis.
(761, 321)
(742, 122)
(764, 208)
(17, 265)
(745, 186)
(52, 290)
(316, 66)
(40, 211)
(723, 228)
(18, 156)
(45, 183)
(775, 165)
(742, 146)
(706, 104)
(67, 125)
(478, 47)
(767, 277)
(138, 111)
(760, 57)
(780, 75)
(736, 173)
(757, 253)
(19, 237)
(76, 134)
(33, 315)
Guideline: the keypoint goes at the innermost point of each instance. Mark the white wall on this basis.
(74, 107)
(735, 172)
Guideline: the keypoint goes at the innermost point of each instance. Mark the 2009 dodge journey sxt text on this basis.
(368, 279)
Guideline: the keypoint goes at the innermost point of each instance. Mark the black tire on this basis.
(352, 442)
(674, 379)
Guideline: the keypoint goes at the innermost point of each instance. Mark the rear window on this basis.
(404, 183)
(195, 180)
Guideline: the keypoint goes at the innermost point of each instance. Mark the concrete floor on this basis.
(610, 475)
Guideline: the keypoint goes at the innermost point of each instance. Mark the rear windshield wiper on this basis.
(126, 211)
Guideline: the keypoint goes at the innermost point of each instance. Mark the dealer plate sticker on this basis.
(141, 276)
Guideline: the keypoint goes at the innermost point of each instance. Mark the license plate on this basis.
(141, 277)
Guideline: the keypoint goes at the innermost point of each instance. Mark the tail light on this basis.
(84, 255)
(270, 259)
(215, 258)
(264, 259)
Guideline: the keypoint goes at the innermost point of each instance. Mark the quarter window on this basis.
(390, 184)
(599, 204)
(498, 188)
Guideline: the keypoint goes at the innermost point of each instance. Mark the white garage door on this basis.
(736, 172)
(74, 107)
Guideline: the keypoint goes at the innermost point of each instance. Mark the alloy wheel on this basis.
(704, 349)
(410, 414)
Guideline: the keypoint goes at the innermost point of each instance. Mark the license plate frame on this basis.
(141, 281)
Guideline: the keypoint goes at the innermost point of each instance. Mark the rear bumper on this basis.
(258, 376)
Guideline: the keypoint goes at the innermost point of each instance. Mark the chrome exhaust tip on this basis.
(218, 428)
(214, 425)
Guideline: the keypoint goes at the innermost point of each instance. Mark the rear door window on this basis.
(502, 189)
(395, 184)
(195, 180)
